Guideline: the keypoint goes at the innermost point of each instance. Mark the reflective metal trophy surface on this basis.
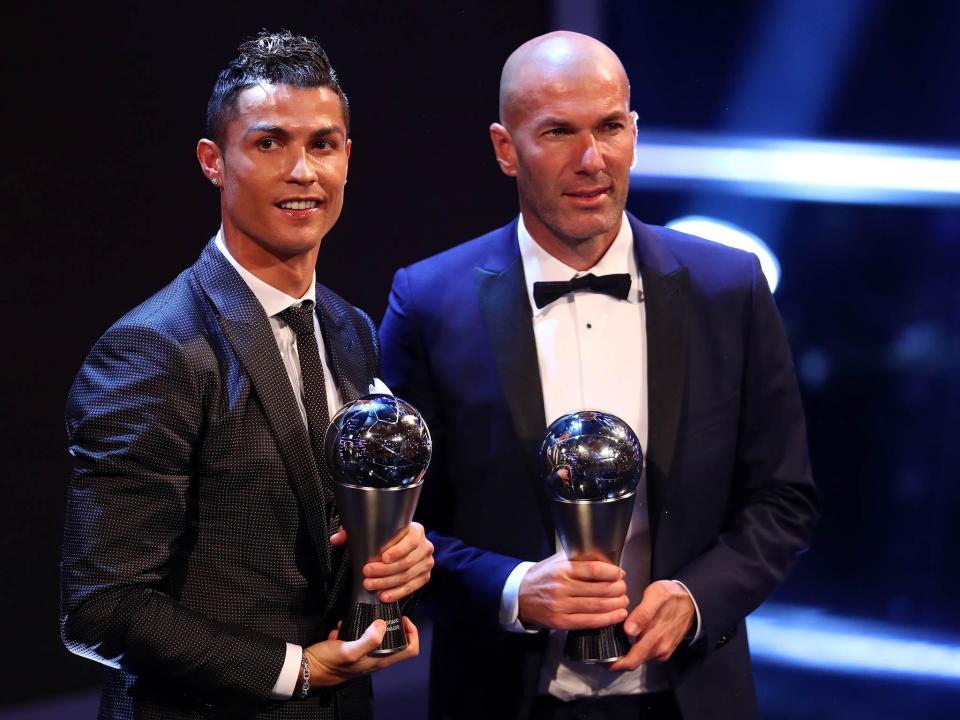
(591, 464)
(377, 449)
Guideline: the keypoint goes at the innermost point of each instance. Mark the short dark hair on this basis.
(281, 58)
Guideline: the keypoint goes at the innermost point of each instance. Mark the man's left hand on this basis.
(661, 620)
(404, 565)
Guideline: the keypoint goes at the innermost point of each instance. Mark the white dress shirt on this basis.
(592, 355)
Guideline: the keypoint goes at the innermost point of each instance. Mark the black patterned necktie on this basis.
(300, 319)
(616, 285)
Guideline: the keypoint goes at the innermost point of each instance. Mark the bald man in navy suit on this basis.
(678, 336)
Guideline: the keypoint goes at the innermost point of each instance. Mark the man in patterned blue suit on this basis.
(493, 339)
(202, 559)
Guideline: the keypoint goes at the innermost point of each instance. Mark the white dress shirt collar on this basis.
(272, 300)
(539, 265)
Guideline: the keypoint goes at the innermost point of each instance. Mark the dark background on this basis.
(104, 204)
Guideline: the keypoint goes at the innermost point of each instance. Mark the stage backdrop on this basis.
(104, 204)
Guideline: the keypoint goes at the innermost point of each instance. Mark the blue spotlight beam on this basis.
(799, 169)
(812, 638)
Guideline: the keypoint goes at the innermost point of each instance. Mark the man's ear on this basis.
(503, 149)
(211, 161)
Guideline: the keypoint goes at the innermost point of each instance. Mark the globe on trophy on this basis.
(591, 463)
(378, 449)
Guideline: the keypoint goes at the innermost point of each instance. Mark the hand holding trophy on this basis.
(378, 449)
(591, 463)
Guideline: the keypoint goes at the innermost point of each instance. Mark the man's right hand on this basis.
(566, 594)
(332, 661)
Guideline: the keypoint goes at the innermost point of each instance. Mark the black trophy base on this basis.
(591, 647)
(359, 617)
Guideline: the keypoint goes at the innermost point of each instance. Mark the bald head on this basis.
(566, 133)
(556, 59)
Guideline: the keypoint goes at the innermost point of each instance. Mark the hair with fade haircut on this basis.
(279, 58)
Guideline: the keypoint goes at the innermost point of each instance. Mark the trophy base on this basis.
(591, 647)
(359, 617)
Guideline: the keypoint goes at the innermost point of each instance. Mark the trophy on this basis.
(591, 463)
(377, 449)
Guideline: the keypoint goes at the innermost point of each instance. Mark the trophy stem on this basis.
(361, 614)
(595, 530)
(372, 516)
(603, 645)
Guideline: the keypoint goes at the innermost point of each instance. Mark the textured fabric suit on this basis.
(730, 495)
(196, 539)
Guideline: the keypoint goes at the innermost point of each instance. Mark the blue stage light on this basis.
(799, 169)
(728, 234)
(811, 638)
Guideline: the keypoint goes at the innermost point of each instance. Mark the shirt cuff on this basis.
(698, 626)
(510, 600)
(289, 674)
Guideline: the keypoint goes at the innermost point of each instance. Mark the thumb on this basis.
(354, 650)
(339, 537)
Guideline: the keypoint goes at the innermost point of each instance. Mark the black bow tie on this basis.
(617, 286)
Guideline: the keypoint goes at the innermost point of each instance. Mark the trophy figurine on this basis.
(377, 449)
(591, 462)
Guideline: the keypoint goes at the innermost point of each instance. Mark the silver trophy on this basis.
(377, 449)
(591, 463)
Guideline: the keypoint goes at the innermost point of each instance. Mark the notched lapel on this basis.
(247, 328)
(505, 308)
(343, 347)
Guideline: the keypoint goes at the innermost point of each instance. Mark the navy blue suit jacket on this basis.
(730, 494)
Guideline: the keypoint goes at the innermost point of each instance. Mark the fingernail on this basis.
(630, 629)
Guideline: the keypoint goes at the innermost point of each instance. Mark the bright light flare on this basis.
(732, 236)
(815, 639)
(801, 169)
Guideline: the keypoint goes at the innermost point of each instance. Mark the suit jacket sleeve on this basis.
(135, 420)
(775, 503)
(467, 581)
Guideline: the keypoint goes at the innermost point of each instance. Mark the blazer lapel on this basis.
(344, 349)
(348, 365)
(247, 328)
(505, 309)
(666, 295)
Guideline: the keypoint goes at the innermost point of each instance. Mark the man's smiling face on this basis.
(284, 165)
